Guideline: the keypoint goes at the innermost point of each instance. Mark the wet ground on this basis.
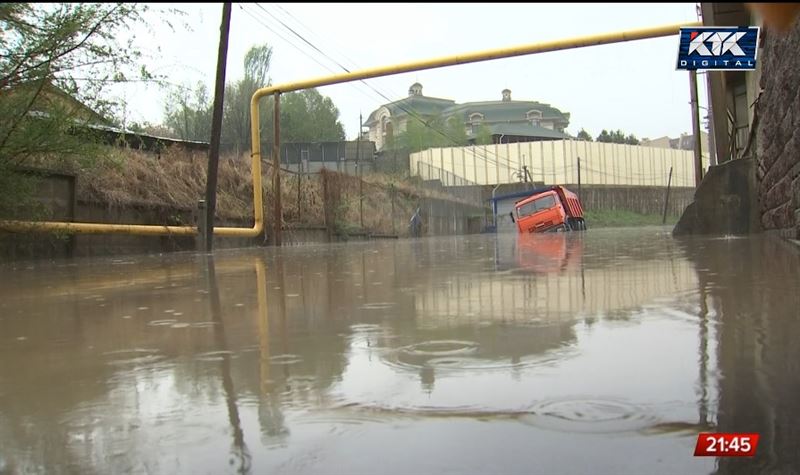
(603, 352)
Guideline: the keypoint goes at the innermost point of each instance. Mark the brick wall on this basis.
(778, 134)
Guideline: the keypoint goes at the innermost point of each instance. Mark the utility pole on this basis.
(698, 153)
(666, 198)
(216, 127)
(712, 142)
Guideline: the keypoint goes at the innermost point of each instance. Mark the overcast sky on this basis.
(630, 86)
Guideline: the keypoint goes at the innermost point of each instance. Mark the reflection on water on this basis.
(476, 354)
(239, 451)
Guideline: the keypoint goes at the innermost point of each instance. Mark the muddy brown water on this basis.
(601, 352)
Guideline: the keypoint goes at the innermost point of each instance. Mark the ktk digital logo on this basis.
(718, 48)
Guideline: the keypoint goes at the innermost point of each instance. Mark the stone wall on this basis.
(778, 133)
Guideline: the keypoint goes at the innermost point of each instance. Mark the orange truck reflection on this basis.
(553, 209)
(548, 253)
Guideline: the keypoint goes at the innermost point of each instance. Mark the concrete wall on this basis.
(778, 133)
(445, 217)
(639, 199)
(724, 202)
(57, 193)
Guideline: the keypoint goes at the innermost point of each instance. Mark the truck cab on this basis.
(555, 209)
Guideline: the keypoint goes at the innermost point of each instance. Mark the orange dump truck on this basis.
(551, 209)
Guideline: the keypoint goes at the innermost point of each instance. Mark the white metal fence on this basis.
(555, 162)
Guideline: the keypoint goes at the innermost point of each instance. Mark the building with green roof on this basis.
(508, 121)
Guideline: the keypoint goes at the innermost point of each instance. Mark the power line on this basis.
(312, 45)
(410, 112)
(259, 19)
(484, 152)
(300, 36)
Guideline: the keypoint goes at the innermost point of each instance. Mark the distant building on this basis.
(344, 156)
(507, 120)
(684, 142)
(51, 100)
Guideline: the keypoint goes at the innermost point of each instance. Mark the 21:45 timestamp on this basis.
(726, 444)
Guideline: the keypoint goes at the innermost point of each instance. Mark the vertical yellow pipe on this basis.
(255, 136)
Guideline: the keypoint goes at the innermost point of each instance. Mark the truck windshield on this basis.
(544, 202)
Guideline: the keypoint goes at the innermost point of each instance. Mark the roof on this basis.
(422, 105)
(136, 139)
(503, 111)
(505, 117)
(149, 140)
(524, 130)
(50, 92)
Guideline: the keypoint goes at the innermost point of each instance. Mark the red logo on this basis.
(737, 444)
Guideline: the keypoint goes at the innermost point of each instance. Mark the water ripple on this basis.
(592, 415)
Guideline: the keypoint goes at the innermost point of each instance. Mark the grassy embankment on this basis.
(175, 180)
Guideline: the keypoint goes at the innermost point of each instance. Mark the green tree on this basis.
(604, 137)
(308, 116)
(617, 136)
(584, 135)
(188, 113)
(484, 135)
(418, 134)
(236, 113)
(55, 63)
(423, 133)
(456, 133)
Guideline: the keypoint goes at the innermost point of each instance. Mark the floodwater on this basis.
(603, 352)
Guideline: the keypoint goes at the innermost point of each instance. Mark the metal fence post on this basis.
(202, 225)
(299, 186)
(391, 190)
(666, 198)
(360, 195)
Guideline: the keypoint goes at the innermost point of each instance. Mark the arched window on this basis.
(534, 117)
(475, 121)
(384, 123)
